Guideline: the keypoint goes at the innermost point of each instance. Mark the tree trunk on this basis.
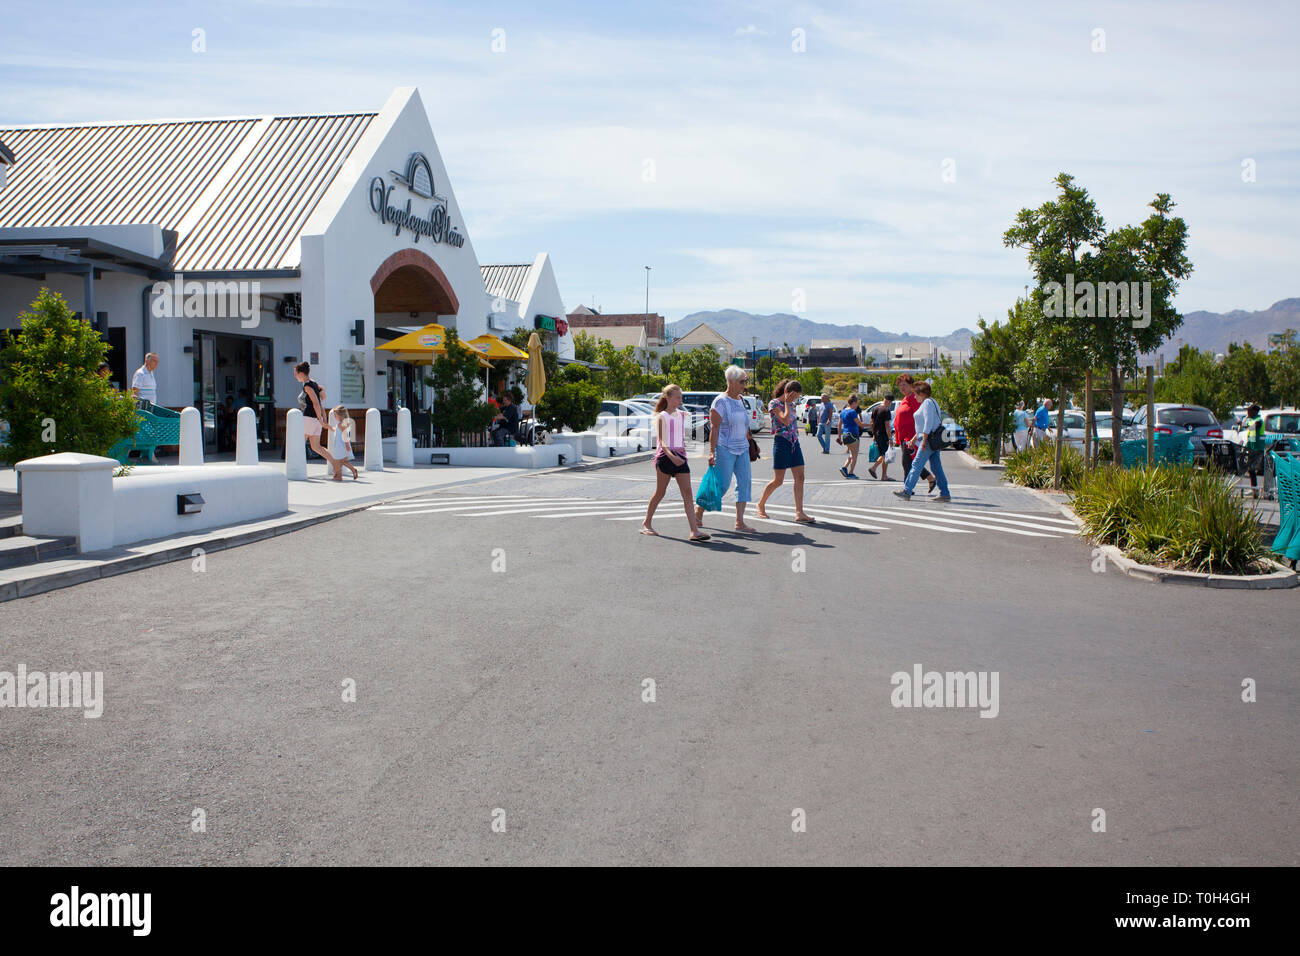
(1060, 434)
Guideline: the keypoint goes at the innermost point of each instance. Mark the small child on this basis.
(341, 421)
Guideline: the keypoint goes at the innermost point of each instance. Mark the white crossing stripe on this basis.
(861, 513)
(821, 519)
(937, 522)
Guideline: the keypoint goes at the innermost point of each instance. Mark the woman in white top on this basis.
(927, 420)
(670, 459)
(729, 443)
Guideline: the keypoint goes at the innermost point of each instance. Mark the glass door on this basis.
(263, 391)
(205, 386)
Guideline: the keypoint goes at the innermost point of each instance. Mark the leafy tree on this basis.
(812, 380)
(1284, 369)
(992, 398)
(762, 371)
(699, 370)
(585, 346)
(1191, 379)
(778, 371)
(51, 392)
(1067, 243)
(1245, 378)
(653, 383)
(457, 407)
(622, 370)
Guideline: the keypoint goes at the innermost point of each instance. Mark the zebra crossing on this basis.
(943, 519)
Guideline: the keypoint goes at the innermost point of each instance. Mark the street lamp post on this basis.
(647, 319)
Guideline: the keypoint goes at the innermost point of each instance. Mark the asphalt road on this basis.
(499, 636)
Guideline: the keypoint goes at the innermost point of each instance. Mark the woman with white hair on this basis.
(729, 443)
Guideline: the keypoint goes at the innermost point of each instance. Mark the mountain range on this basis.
(743, 328)
(1205, 330)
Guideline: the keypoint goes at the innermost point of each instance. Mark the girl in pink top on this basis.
(670, 459)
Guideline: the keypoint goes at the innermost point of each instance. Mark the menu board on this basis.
(352, 377)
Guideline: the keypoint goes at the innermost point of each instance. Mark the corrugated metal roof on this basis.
(506, 281)
(243, 207)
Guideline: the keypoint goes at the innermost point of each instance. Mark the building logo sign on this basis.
(418, 179)
(546, 323)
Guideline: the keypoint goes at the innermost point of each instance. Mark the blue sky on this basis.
(695, 139)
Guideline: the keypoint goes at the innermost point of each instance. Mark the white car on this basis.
(623, 418)
(757, 419)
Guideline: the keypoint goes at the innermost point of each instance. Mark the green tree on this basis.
(585, 346)
(700, 370)
(1068, 245)
(572, 403)
(988, 414)
(622, 371)
(762, 371)
(457, 406)
(1191, 379)
(776, 373)
(1284, 369)
(1244, 378)
(51, 392)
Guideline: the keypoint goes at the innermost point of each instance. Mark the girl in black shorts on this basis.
(670, 459)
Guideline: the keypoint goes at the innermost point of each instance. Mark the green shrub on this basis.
(51, 392)
(1036, 467)
(1173, 515)
(570, 404)
(457, 405)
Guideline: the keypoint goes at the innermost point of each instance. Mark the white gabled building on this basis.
(235, 248)
(526, 294)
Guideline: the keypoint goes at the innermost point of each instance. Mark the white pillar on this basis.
(69, 494)
(295, 451)
(191, 437)
(405, 444)
(246, 437)
(374, 441)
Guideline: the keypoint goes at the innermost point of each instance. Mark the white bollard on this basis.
(191, 437)
(405, 445)
(374, 441)
(246, 437)
(69, 494)
(295, 451)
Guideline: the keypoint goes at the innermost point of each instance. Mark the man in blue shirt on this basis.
(1042, 418)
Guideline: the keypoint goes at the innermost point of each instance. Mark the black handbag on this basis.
(936, 440)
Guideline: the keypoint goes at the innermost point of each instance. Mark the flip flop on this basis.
(649, 532)
(805, 520)
(700, 537)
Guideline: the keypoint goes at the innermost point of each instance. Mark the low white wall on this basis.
(144, 502)
(518, 456)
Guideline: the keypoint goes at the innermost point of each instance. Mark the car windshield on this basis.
(1073, 421)
(1185, 417)
(1287, 423)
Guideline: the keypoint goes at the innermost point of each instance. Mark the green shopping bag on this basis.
(709, 496)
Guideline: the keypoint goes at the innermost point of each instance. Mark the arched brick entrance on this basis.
(409, 281)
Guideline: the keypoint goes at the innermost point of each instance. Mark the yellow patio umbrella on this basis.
(536, 380)
(420, 346)
(494, 347)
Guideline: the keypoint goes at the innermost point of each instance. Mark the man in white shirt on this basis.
(143, 385)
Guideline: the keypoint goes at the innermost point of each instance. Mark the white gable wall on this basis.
(344, 243)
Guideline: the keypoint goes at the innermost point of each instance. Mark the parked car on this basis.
(1171, 418)
(811, 411)
(623, 418)
(757, 418)
(957, 441)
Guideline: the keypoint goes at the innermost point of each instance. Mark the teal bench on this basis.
(159, 426)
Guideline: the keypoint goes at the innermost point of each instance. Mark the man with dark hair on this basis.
(905, 427)
(880, 435)
(506, 423)
(311, 401)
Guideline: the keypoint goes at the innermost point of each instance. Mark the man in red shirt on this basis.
(905, 429)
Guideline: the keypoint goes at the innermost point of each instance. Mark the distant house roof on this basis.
(237, 191)
(583, 310)
(702, 334)
(619, 336)
(506, 281)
